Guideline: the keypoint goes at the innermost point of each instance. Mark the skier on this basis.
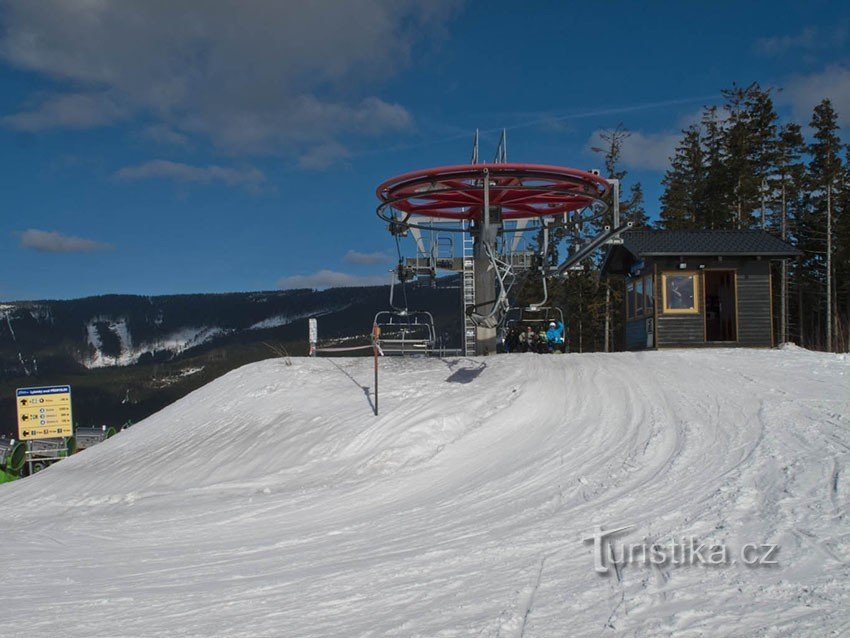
(555, 335)
(522, 341)
(531, 339)
(542, 342)
(512, 340)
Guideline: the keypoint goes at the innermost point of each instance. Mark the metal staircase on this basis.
(468, 291)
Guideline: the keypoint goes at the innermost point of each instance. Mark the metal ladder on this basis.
(468, 290)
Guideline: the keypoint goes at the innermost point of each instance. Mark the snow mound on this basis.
(272, 502)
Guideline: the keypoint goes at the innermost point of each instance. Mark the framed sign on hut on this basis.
(680, 293)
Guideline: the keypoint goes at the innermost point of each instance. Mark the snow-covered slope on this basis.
(273, 503)
(178, 341)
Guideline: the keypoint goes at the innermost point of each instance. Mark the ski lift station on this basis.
(474, 219)
(495, 223)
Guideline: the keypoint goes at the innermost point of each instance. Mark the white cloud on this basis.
(803, 92)
(365, 259)
(650, 150)
(251, 77)
(304, 124)
(53, 242)
(322, 156)
(248, 177)
(163, 134)
(72, 110)
(643, 151)
(809, 38)
(331, 279)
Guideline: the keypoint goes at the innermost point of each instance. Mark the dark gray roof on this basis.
(674, 243)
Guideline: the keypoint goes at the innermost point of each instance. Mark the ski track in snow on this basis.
(273, 503)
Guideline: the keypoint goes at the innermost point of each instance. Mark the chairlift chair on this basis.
(536, 316)
(405, 332)
(533, 315)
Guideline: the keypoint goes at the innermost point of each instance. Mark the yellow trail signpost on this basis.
(44, 413)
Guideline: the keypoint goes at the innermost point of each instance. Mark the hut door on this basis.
(720, 309)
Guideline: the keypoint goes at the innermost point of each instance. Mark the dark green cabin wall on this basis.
(753, 304)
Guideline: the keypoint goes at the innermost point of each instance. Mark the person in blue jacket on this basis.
(555, 336)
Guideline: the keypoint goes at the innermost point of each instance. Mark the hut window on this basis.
(630, 299)
(639, 297)
(648, 298)
(680, 291)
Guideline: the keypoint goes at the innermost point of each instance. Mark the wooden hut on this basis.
(697, 288)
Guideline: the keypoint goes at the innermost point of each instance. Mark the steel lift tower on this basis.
(490, 205)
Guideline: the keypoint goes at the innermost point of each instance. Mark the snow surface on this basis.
(6, 311)
(272, 502)
(277, 321)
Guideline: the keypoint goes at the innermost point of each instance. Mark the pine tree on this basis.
(762, 146)
(612, 151)
(841, 259)
(717, 201)
(789, 172)
(816, 227)
(684, 184)
(634, 207)
(750, 145)
(736, 139)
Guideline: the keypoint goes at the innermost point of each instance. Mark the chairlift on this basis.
(406, 332)
(533, 315)
(538, 318)
(539, 312)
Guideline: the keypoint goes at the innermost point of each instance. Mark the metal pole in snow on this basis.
(616, 218)
(376, 335)
(829, 266)
(783, 324)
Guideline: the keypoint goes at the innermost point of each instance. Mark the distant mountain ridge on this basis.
(123, 351)
(120, 330)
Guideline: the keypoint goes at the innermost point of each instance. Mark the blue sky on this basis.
(151, 149)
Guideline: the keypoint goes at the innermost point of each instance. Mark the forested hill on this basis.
(127, 356)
